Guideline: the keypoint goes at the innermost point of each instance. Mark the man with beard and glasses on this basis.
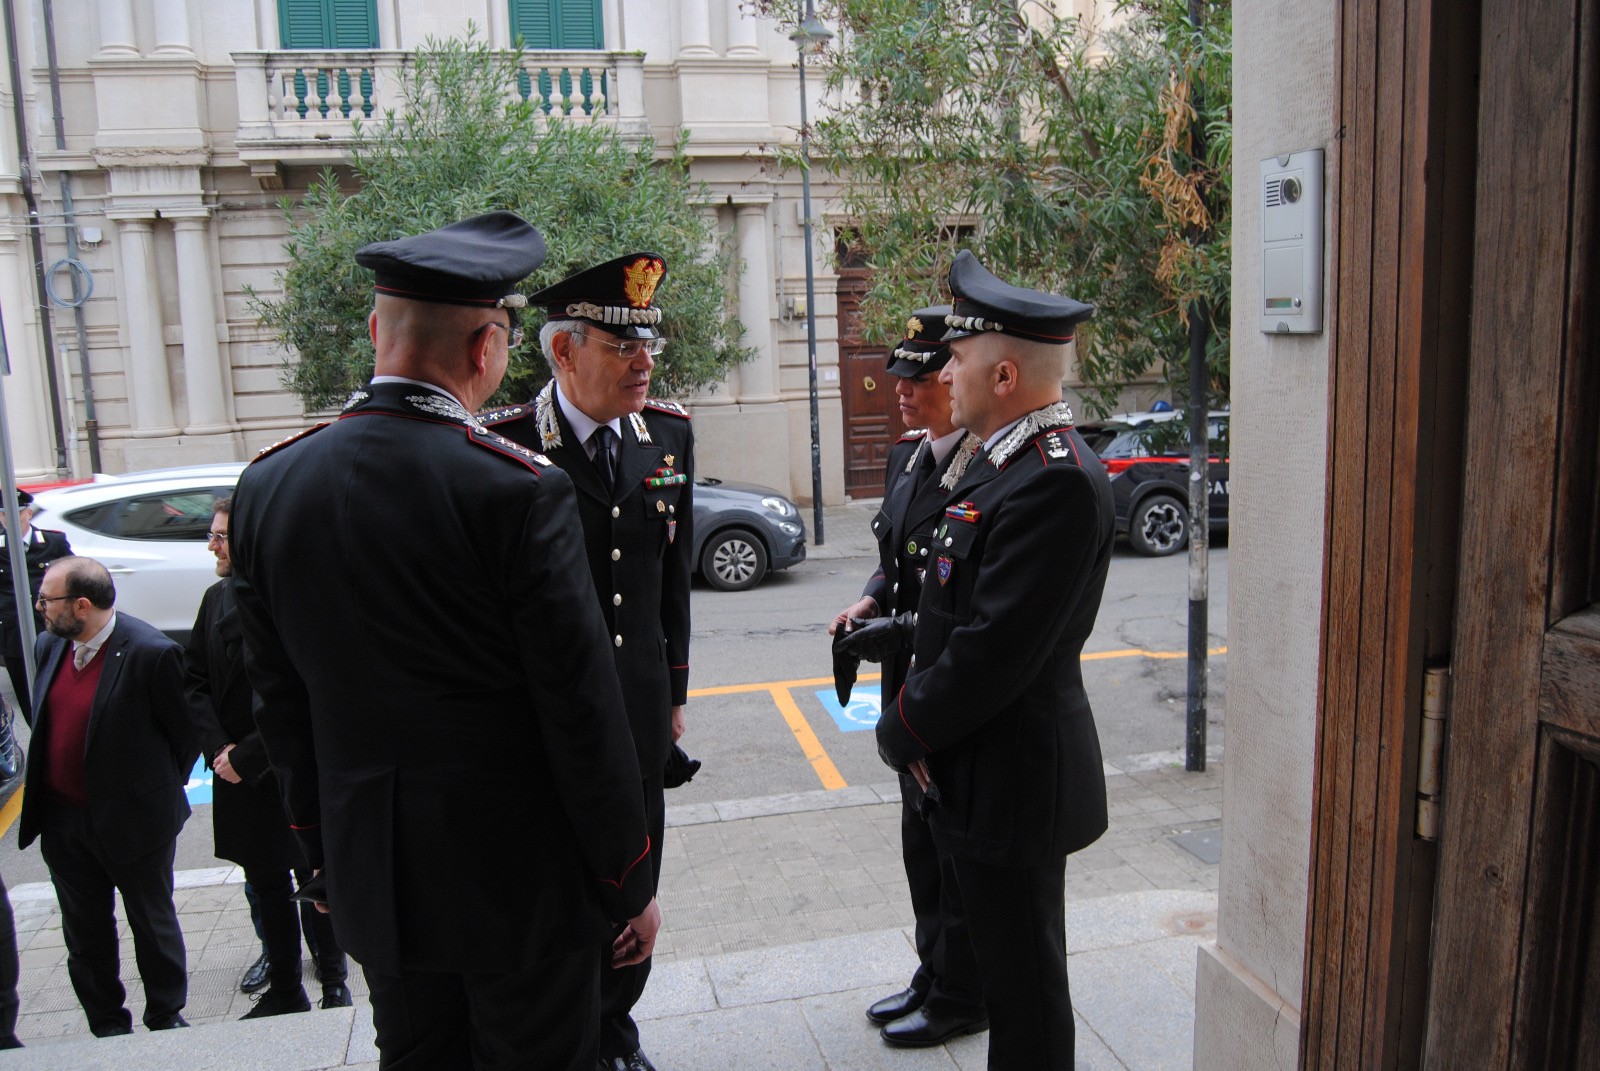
(248, 823)
(110, 755)
(631, 458)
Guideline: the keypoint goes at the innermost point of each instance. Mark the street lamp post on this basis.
(810, 36)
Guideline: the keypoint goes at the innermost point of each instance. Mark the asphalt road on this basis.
(767, 729)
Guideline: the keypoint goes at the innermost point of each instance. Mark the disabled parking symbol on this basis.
(199, 787)
(860, 713)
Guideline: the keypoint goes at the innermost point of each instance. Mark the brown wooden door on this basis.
(1516, 972)
(871, 414)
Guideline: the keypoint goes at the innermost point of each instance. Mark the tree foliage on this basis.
(464, 143)
(1064, 155)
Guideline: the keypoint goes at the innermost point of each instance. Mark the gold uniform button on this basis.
(616, 554)
(616, 511)
(618, 641)
(616, 600)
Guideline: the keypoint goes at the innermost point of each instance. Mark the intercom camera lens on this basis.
(1291, 190)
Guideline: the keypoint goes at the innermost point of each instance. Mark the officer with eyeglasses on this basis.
(632, 460)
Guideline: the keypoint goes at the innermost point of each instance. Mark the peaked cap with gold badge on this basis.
(923, 350)
(985, 302)
(477, 262)
(617, 296)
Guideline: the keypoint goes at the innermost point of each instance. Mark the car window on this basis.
(170, 515)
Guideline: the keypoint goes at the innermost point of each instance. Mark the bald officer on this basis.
(437, 687)
(631, 458)
(993, 721)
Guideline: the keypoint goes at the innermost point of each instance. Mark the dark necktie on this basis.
(925, 468)
(604, 463)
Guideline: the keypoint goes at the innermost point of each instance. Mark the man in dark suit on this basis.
(110, 755)
(41, 547)
(993, 720)
(945, 998)
(437, 690)
(632, 461)
(248, 824)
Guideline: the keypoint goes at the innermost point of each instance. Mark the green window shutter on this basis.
(328, 23)
(557, 23)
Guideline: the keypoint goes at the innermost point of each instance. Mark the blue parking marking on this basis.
(199, 787)
(860, 713)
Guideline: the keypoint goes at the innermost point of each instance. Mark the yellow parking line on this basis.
(814, 752)
(1136, 653)
(809, 682)
(9, 812)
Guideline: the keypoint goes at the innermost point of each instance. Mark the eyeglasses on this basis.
(514, 333)
(633, 348)
(216, 537)
(46, 600)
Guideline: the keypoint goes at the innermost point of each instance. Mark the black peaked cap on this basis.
(478, 261)
(923, 349)
(984, 302)
(617, 296)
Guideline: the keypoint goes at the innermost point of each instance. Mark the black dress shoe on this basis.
(279, 1000)
(919, 1030)
(257, 975)
(174, 1023)
(634, 1061)
(898, 1006)
(336, 995)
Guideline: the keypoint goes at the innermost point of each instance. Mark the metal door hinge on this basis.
(1430, 755)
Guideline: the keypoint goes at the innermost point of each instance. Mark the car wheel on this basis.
(1159, 526)
(734, 560)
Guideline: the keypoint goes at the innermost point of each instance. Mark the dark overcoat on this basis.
(248, 824)
(139, 749)
(438, 694)
(995, 699)
(640, 543)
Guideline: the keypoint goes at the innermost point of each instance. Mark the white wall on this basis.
(1249, 982)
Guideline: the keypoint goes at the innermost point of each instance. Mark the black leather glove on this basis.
(881, 638)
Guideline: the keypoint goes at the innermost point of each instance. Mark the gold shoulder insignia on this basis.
(663, 406)
(281, 443)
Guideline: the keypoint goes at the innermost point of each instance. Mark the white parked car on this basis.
(149, 529)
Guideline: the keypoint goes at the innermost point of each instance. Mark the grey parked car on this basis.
(742, 531)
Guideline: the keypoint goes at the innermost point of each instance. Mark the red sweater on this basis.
(67, 705)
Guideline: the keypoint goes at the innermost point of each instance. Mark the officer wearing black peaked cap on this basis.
(993, 720)
(945, 996)
(631, 458)
(437, 687)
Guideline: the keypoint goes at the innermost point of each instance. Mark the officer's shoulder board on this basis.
(534, 461)
(1058, 448)
(281, 444)
(490, 417)
(913, 435)
(670, 408)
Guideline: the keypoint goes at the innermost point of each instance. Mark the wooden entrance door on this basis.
(1516, 978)
(1463, 508)
(871, 413)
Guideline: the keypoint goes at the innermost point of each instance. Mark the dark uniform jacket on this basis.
(438, 694)
(904, 530)
(640, 544)
(43, 547)
(248, 824)
(139, 750)
(995, 697)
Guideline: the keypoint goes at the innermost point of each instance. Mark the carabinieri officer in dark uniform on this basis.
(632, 461)
(41, 546)
(945, 998)
(993, 720)
(438, 693)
